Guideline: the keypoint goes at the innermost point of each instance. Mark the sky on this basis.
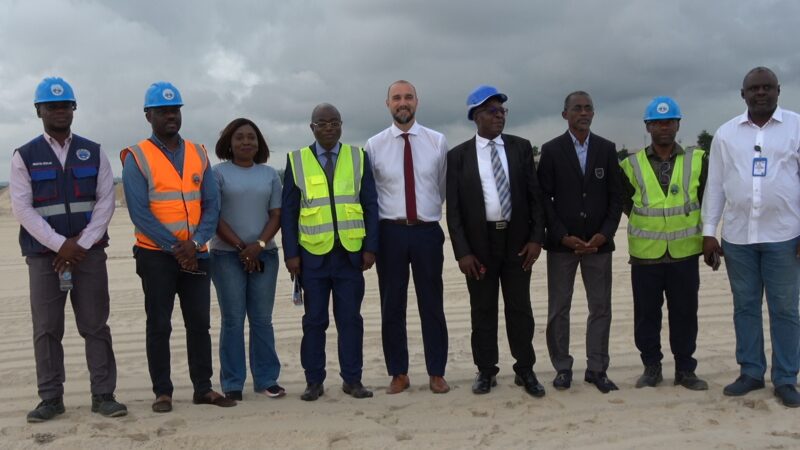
(273, 61)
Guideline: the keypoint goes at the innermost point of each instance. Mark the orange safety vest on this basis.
(174, 201)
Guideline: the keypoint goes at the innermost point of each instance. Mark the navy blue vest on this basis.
(64, 197)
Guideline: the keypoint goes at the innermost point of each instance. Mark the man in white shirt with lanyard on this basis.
(754, 178)
(409, 162)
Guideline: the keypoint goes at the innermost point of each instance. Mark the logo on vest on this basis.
(599, 173)
(83, 154)
(196, 179)
(662, 108)
(57, 90)
(168, 94)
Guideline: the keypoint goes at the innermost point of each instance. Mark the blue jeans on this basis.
(753, 270)
(252, 294)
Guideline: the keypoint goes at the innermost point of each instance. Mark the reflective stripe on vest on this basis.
(54, 210)
(315, 223)
(174, 200)
(658, 222)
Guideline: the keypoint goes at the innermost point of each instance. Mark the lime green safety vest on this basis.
(661, 222)
(315, 225)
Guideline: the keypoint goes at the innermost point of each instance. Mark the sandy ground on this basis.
(662, 417)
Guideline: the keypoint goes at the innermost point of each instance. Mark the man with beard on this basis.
(329, 226)
(496, 221)
(753, 186)
(173, 202)
(409, 162)
(663, 187)
(580, 177)
(62, 194)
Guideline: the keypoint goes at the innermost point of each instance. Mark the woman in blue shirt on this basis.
(244, 258)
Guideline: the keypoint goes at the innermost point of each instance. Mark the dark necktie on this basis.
(329, 167)
(408, 175)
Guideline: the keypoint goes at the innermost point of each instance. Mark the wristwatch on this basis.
(197, 246)
(262, 244)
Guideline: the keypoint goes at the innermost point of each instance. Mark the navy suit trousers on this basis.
(421, 246)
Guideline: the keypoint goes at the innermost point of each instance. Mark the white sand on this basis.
(663, 417)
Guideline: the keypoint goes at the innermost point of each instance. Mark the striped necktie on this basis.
(500, 180)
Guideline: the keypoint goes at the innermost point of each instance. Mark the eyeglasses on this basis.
(664, 172)
(53, 106)
(493, 111)
(336, 124)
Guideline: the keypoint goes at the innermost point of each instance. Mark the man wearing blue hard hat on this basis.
(173, 202)
(62, 194)
(663, 189)
(496, 221)
(754, 190)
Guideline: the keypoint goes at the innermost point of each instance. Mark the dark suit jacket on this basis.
(290, 213)
(579, 204)
(466, 211)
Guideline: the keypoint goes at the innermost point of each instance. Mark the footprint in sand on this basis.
(43, 438)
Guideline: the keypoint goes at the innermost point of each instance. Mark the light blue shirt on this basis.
(581, 150)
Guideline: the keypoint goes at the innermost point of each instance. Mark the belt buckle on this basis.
(500, 225)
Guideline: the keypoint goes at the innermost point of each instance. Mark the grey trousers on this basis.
(89, 298)
(596, 274)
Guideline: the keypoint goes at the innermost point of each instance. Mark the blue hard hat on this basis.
(662, 108)
(480, 95)
(162, 93)
(53, 89)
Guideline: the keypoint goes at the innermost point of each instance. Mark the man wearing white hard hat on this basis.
(62, 194)
(496, 220)
(173, 202)
(663, 189)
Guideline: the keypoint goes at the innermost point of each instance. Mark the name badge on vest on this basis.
(599, 173)
(759, 167)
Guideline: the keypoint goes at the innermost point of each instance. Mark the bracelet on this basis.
(240, 247)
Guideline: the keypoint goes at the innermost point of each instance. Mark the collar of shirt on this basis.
(676, 150)
(321, 150)
(163, 147)
(777, 116)
(577, 143)
(481, 142)
(397, 132)
(55, 144)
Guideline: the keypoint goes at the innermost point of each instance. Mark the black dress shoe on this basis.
(788, 395)
(601, 381)
(690, 381)
(532, 385)
(483, 383)
(742, 385)
(356, 390)
(313, 391)
(563, 380)
(651, 376)
(46, 410)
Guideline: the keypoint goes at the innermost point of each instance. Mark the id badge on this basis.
(759, 167)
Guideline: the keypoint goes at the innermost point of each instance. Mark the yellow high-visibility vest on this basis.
(315, 225)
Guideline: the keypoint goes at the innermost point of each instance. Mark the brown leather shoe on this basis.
(163, 404)
(399, 384)
(213, 398)
(439, 386)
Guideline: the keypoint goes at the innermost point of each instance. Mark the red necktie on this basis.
(408, 175)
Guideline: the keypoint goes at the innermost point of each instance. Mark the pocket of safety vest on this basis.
(84, 180)
(44, 184)
(354, 211)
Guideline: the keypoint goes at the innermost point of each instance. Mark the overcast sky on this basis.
(273, 61)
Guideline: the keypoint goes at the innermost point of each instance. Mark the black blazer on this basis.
(466, 211)
(580, 204)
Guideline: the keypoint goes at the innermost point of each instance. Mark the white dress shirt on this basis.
(581, 150)
(429, 153)
(22, 200)
(754, 209)
(490, 196)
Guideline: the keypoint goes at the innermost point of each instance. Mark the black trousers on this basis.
(502, 270)
(680, 282)
(162, 278)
